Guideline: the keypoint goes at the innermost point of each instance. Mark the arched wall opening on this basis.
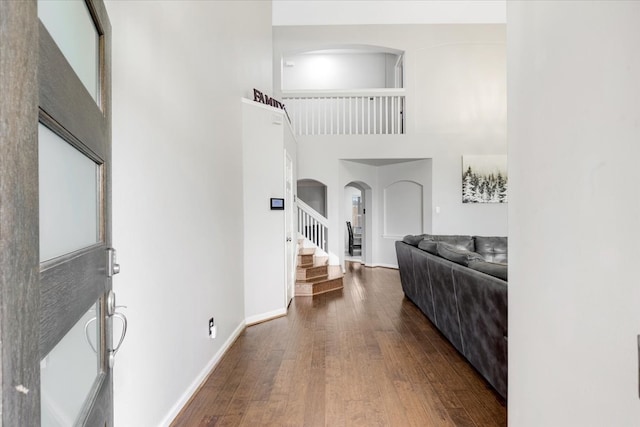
(343, 67)
(357, 196)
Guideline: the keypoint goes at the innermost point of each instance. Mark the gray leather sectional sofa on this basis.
(460, 284)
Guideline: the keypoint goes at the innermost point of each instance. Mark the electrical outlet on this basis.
(212, 329)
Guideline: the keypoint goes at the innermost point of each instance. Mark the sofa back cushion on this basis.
(493, 249)
(413, 240)
(494, 269)
(459, 256)
(430, 242)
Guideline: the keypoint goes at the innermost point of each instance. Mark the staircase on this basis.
(313, 275)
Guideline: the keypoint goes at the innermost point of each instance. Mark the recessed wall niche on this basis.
(403, 208)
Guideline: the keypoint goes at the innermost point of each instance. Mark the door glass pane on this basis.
(71, 26)
(68, 372)
(68, 196)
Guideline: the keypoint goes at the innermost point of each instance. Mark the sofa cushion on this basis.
(430, 242)
(459, 256)
(495, 269)
(413, 240)
(429, 245)
(493, 249)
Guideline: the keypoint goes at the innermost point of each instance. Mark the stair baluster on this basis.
(312, 225)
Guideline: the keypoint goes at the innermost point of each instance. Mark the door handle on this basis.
(86, 333)
(114, 314)
(111, 314)
(112, 352)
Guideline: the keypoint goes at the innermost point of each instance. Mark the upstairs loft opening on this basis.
(346, 68)
(345, 90)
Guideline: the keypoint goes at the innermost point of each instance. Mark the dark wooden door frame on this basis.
(19, 229)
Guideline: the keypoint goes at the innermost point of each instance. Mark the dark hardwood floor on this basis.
(361, 356)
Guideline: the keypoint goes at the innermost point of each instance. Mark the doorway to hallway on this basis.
(354, 231)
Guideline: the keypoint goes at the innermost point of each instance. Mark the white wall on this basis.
(334, 71)
(177, 189)
(264, 229)
(443, 122)
(402, 208)
(390, 71)
(574, 132)
(459, 86)
(350, 12)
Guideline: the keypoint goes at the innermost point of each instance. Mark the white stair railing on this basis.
(313, 225)
(352, 112)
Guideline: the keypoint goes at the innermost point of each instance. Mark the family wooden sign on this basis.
(265, 99)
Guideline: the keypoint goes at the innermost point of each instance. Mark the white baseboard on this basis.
(259, 318)
(202, 376)
(395, 267)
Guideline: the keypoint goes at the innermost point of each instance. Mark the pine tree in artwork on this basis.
(479, 188)
(467, 186)
(494, 194)
(484, 187)
(488, 187)
(504, 193)
(475, 182)
(501, 188)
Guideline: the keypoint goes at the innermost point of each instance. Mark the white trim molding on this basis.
(374, 265)
(259, 318)
(202, 376)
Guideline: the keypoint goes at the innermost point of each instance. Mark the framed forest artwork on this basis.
(484, 179)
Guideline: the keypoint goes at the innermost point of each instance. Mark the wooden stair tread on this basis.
(331, 282)
(312, 289)
(316, 263)
(316, 281)
(311, 261)
(312, 273)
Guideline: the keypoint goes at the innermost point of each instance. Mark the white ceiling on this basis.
(360, 12)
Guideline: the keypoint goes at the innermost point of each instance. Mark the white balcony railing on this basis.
(312, 225)
(353, 112)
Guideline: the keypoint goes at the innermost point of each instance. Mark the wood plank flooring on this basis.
(360, 356)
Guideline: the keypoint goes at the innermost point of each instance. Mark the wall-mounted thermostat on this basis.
(277, 204)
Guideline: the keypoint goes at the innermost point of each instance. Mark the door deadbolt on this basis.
(112, 266)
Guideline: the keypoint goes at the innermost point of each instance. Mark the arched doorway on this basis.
(356, 195)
